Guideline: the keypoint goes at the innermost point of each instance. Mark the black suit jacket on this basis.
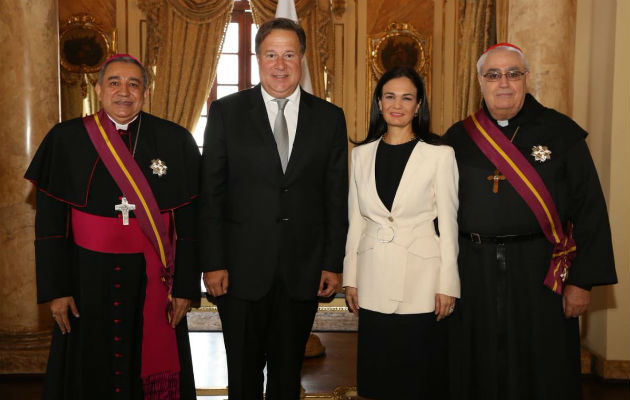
(259, 223)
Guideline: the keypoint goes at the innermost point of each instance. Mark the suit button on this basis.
(284, 190)
(391, 219)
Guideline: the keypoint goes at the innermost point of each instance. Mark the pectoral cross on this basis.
(124, 207)
(495, 178)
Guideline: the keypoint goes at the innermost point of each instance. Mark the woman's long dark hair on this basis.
(419, 124)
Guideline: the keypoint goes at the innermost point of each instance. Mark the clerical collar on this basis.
(501, 122)
(122, 127)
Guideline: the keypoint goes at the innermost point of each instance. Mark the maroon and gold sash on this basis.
(160, 361)
(527, 183)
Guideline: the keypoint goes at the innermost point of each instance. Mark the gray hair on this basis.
(482, 58)
(124, 59)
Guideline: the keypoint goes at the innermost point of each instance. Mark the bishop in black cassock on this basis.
(98, 355)
(511, 336)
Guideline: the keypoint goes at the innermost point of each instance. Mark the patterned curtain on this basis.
(476, 33)
(315, 16)
(184, 42)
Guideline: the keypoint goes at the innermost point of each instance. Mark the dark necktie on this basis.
(281, 133)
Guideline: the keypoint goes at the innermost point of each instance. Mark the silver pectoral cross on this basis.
(124, 207)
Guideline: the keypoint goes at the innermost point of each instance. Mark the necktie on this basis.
(281, 133)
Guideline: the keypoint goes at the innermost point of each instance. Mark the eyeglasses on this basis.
(494, 76)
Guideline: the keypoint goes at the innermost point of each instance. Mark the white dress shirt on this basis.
(291, 111)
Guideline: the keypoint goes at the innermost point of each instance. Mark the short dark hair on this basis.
(419, 124)
(124, 59)
(280, 23)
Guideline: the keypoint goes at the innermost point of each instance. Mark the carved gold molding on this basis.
(83, 45)
(400, 45)
(338, 7)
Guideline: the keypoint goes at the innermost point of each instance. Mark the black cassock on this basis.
(100, 358)
(509, 337)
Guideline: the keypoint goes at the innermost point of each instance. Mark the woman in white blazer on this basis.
(399, 275)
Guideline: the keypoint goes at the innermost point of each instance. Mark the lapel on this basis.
(260, 118)
(407, 177)
(372, 175)
(303, 134)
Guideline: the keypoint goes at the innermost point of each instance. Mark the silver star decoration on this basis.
(541, 153)
(158, 167)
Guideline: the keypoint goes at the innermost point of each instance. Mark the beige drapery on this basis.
(315, 16)
(502, 15)
(476, 32)
(184, 42)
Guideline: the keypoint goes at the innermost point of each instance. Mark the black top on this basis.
(391, 160)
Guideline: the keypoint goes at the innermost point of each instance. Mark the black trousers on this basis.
(271, 331)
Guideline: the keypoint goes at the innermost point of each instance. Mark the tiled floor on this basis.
(319, 375)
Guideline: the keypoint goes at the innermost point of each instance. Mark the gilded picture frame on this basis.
(400, 46)
(83, 46)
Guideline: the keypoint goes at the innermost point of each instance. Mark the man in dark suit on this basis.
(273, 215)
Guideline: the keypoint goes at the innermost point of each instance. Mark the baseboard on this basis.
(24, 352)
(603, 368)
(31, 361)
(611, 369)
(586, 361)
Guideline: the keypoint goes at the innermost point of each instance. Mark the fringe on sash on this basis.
(163, 386)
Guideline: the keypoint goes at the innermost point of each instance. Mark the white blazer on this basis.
(395, 259)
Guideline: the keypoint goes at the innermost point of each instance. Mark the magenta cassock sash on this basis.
(160, 362)
(530, 186)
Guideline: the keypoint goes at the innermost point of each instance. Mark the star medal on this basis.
(541, 153)
(158, 167)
